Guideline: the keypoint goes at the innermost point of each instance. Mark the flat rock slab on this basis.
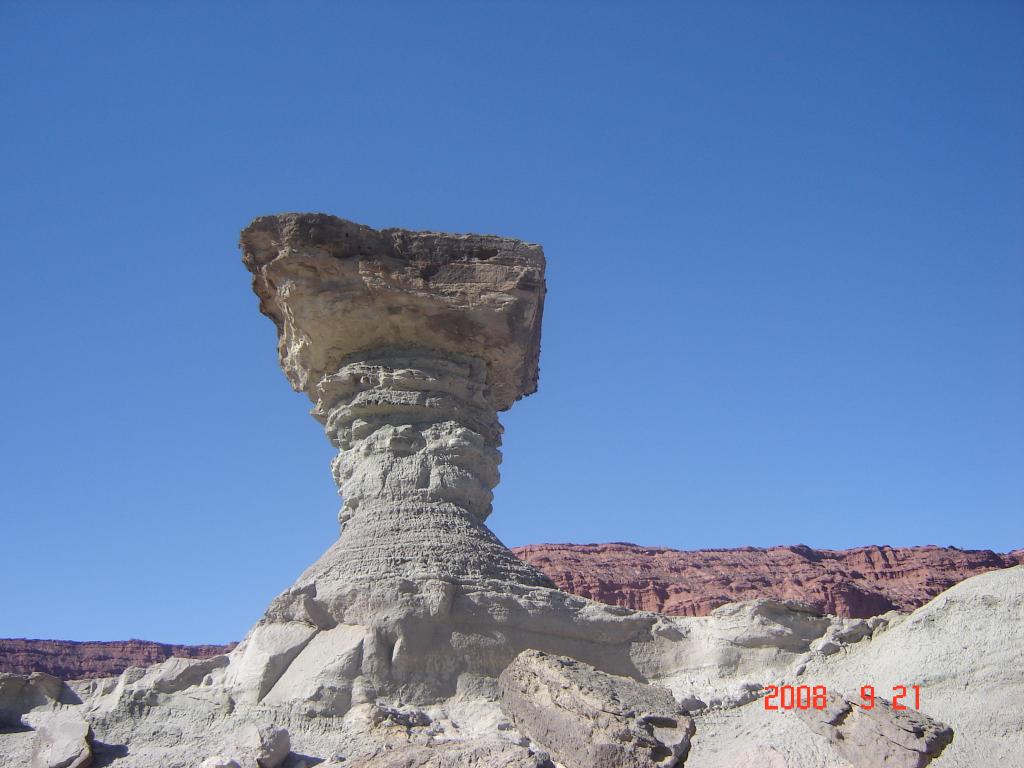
(588, 718)
(62, 741)
(334, 287)
(879, 736)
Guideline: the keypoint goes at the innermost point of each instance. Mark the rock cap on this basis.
(336, 289)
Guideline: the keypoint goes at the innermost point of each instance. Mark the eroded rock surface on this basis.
(20, 694)
(585, 717)
(878, 735)
(62, 741)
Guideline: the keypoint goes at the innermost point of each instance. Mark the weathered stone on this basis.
(20, 694)
(408, 344)
(879, 736)
(486, 753)
(261, 746)
(178, 674)
(588, 718)
(220, 761)
(62, 741)
(337, 289)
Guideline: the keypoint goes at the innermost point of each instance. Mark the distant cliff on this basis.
(72, 660)
(857, 583)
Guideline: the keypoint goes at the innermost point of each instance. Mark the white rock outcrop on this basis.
(586, 717)
(62, 741)
(869, 736)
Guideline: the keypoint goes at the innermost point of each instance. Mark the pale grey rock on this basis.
(749, 737)
(782, 624)
(261, 746)
(408, 344)
(16, 746)
(723, 660)
(842, 633)
(20, 694)
(878, 736)
(62, 741)
(220, 761)
(177, 674)
(263, 657)
(486, 753)
(587, 718)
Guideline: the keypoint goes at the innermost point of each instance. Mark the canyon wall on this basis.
(853, 583)
(70, 660)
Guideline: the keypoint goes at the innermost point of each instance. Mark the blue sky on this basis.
(786, 277)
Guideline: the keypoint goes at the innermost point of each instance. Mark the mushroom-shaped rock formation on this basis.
(388, 649)
(408, 344)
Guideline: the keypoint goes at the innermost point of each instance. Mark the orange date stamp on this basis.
(780, 697)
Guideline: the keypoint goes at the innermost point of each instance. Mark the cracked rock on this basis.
(588, 718)
(880, 736)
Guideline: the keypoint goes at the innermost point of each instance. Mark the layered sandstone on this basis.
(71, 660)
(859, 582)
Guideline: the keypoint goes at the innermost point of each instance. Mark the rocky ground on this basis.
(693, 695)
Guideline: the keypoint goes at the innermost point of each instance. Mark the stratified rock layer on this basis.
(335, 289)
(70, 660)
(854, 583)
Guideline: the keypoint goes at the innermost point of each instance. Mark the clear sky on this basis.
(786, 277)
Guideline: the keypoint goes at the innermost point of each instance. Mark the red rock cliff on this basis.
(70, 660)
(859, 582)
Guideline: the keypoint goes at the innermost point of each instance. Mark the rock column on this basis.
(408, 344)
(418, 436)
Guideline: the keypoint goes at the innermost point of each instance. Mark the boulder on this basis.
(220, 761)
(261, 746)
(20, 694)
(879, 736)
(62, 741)
(588, 718)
